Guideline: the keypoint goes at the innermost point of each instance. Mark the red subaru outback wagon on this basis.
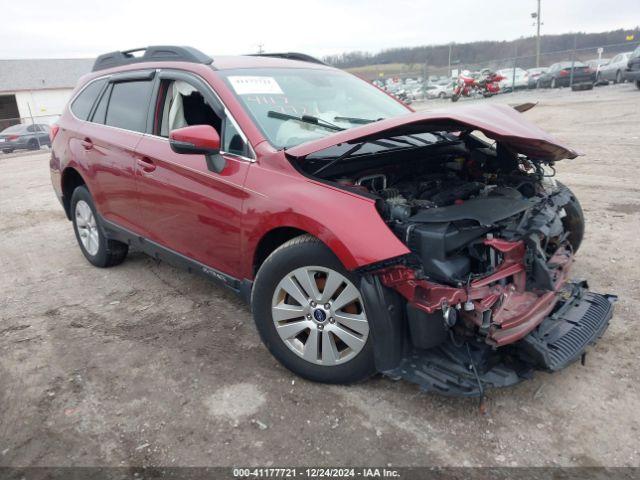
(434, 247)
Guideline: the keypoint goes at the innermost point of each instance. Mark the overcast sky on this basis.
(85, 28)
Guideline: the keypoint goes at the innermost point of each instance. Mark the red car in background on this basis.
(365, 237)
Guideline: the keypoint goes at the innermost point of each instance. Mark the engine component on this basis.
(375, 183)
(427, 330)
(463, 191)
(436, 244)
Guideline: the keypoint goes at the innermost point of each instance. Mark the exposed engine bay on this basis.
(446, 217)
(492, 237)
(447, 209)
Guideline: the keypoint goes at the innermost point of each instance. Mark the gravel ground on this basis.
(143, 364)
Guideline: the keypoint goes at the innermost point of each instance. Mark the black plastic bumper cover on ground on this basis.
(468, 369)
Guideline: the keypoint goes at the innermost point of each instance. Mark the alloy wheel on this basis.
(319, 314)
(87, 227)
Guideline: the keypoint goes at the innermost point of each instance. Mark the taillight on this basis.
(564, 73)
(588, 70)
(53, 131)
(11, 138)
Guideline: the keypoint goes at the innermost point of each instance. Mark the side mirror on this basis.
(199, 140)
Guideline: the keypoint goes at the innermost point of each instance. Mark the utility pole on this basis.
(536, 17)
(450, 46)
(260, 48)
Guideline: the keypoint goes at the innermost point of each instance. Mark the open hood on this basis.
(498, 122)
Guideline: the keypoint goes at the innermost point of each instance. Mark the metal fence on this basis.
(426, 73)
(595, 54)
(34, 119)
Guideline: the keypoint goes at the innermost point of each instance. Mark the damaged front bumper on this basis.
(492, 332)
(499, 304)
(468, 368)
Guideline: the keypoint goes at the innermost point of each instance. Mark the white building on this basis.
(37, 89)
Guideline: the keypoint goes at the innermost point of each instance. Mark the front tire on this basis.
(310, 314)
(95, 246)
(574, 220)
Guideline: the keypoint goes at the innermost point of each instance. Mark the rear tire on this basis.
(300, 332)
(10, 150)
(638, 84)
(95, 246)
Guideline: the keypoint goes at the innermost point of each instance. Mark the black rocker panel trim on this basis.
(159, 252)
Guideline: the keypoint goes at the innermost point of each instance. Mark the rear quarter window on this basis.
(129, 105)
(81, 106)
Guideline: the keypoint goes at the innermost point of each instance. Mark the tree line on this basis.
(484, 51)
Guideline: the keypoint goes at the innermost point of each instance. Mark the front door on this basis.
(183, 205)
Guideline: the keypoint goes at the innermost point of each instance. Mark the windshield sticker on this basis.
(251, 85)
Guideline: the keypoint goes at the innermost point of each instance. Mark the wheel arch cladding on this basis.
(270, 241)
(71, 179)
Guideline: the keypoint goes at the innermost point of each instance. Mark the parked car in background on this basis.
(632, 72)
(614, 71)
(415, 91)
(399, 92)
(534, 74)
(521, 79)
(559, 75)
(595, 65)
(31, 137)
(439, 91)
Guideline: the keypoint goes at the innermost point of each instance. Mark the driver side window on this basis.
(180, 104)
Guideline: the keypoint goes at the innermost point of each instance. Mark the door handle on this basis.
(146, 164)
(87, 144)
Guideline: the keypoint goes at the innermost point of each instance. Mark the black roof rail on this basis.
(303, 57)
(156, 53)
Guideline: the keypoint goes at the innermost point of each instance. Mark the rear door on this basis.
(184, 206)
(117, 124)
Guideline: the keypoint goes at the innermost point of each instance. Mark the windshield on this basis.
(333, 98)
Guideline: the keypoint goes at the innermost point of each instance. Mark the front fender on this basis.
(348, 224)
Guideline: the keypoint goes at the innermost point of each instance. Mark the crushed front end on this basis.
(486, 288)
(484, 297)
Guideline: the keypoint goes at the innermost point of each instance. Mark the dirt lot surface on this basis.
(143, 364)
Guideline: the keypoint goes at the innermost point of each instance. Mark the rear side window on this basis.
(81, 106)
(100, 111)
(129, 105)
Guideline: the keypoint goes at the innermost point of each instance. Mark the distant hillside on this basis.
(485, 52)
